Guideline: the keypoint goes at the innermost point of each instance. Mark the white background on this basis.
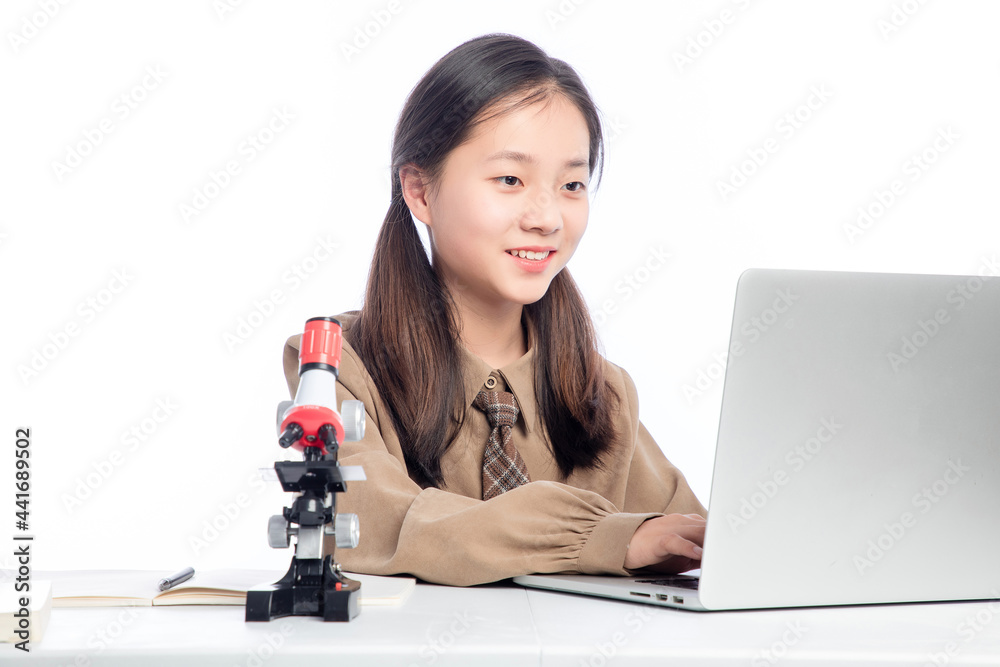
(884, 80)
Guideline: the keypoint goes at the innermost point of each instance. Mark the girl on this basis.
(499, 442)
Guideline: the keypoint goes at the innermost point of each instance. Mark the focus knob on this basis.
(277, 532)
(353, 415)
(347, 530)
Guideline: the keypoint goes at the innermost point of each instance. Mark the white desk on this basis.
(506, 625)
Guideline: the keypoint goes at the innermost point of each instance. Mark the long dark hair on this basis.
(407, 333)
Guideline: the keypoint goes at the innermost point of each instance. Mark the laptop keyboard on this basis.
(675, 580)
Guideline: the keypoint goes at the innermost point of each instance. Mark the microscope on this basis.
(314, 584)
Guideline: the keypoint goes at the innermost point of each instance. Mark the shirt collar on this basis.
(519, 376)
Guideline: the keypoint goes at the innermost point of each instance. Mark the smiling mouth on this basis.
(529, 254)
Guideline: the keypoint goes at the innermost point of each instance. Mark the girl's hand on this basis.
(670, 544)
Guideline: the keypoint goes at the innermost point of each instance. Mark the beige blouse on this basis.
(581, 523)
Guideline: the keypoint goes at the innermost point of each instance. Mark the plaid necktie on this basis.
(503, 467)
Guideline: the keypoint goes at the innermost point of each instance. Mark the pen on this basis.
(175, 579)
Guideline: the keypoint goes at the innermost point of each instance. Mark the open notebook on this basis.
(116, 588)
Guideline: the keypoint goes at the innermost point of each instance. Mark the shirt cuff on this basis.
(604, 552)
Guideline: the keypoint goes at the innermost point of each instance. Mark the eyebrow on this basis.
(524, 158)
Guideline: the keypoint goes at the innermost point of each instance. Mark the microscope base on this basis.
(309, 588)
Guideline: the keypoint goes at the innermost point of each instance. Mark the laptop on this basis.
(858, 452)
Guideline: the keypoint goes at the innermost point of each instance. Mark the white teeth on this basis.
(529, 254)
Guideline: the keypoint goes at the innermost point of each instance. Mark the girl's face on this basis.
(519, 186)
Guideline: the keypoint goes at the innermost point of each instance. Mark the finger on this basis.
(673, 525)
(694, 533)
(677, 545)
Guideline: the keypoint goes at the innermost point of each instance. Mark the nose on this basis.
(542, 214)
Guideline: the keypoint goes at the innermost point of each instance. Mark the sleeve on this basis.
(448, 538)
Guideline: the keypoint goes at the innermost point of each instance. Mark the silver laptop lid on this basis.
(858, 456)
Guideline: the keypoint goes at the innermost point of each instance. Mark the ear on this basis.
(416, 192)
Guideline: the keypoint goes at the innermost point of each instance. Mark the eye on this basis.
(506, 180)
(579, 186)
